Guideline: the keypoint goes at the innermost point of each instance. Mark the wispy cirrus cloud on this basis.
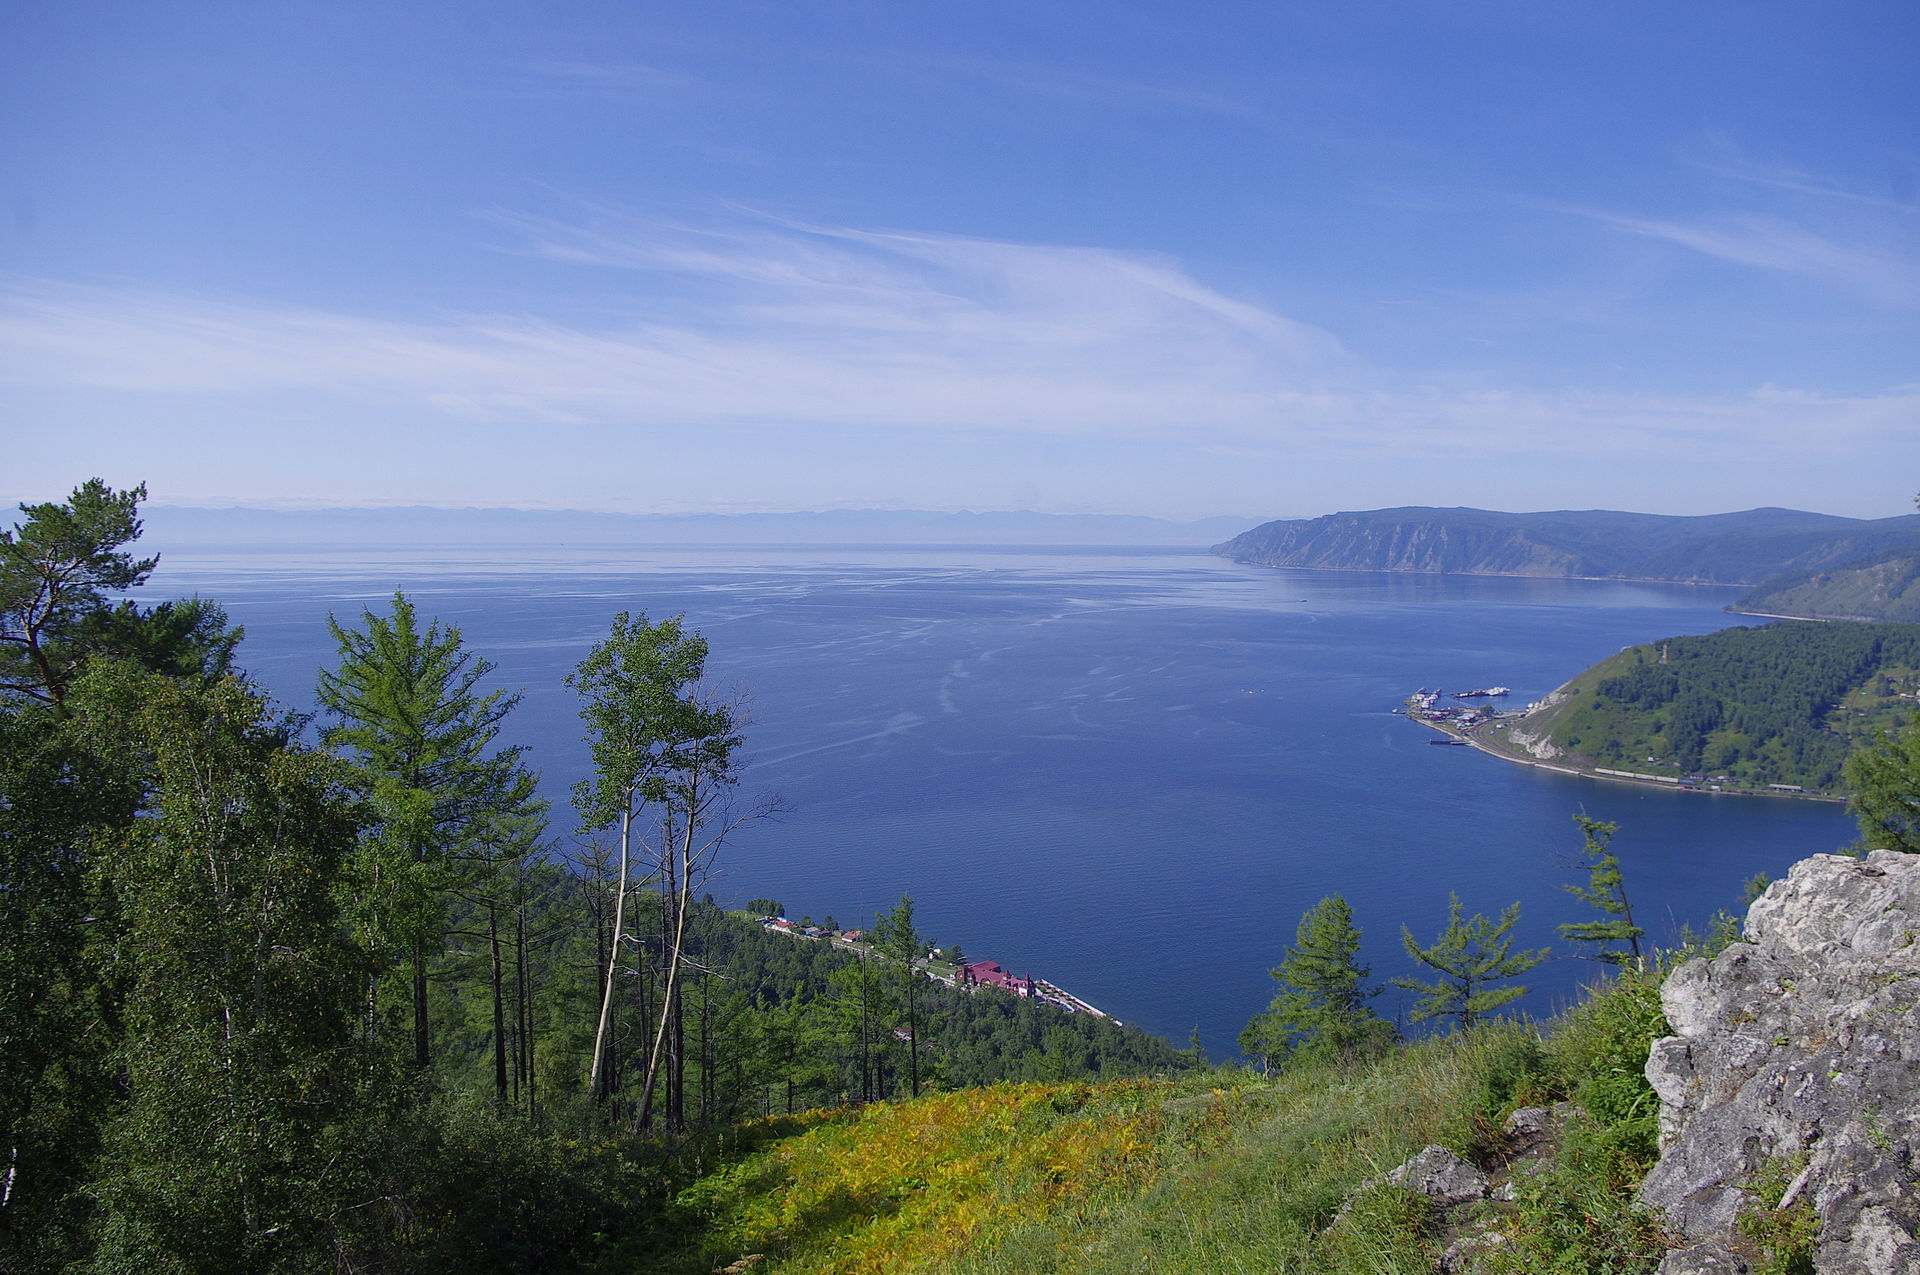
(783, 326)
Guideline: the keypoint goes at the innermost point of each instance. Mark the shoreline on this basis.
(1045, 992)
(1472, 739)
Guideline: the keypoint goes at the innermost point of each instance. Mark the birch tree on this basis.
(656, 742)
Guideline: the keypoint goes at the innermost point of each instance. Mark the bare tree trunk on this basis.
(613, 956)
(499, 1010)
(682, 869)
(422, 1030)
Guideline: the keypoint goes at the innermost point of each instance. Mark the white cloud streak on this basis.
(781, 326)
(1775, 244)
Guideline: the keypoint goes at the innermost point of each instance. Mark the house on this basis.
(990, 974)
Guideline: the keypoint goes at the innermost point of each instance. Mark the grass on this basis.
(1229, 1171)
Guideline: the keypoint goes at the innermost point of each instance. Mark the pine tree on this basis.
(1320, 1008)
(1605, 890)
(1468, 955)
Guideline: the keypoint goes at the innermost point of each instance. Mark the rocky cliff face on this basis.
(1796, 1058)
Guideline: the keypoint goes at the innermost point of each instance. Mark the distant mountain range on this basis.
(420, 525)
(1749, 548)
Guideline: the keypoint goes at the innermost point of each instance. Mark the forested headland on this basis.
(1883, 586)
(1783, 703)
(1748, 547)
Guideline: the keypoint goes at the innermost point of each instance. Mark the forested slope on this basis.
(1883, 587)
(1781, 703)
(1735, 548)
(278, 1003)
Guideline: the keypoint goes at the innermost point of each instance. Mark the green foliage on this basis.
(57, 570)
(1884, 777)
(899, 942)
(1468, 955)
(240, 996)
(418, 738)
(1606, 890)
(1779, 703)
(1320, 1007)
(1785, 1230)
(644, 723)
(1598, 1054)
(1579, 1216)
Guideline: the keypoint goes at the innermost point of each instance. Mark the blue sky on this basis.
(1173, 259)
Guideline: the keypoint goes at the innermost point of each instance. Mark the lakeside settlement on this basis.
(968, 976)
(1483, 727)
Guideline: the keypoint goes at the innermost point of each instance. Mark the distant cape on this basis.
(1743, 548)
(422, 525)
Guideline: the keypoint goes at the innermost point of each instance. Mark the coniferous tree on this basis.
(419, 736)
(1469, 955)
(1884, 778)
(900, 942)
(1320, 1008)
(57, 572)
(1606, 890)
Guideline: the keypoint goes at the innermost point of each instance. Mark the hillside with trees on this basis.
(272, 1005)
(269, 1005)
(1736, 548)
(1882, 587)
(1781, 703)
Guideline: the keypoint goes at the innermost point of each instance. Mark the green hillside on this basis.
(1737, 548)
(1777, 704)
(1885, 587)
(1231, 1171)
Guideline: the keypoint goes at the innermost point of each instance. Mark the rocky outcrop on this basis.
(1473, 1206)
(1796, 1059)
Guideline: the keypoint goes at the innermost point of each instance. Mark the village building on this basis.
(990, 974)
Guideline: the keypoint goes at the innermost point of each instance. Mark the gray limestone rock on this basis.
(1802, 1044)
(1441, 1176)
(1704, 1259)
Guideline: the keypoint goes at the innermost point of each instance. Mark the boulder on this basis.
(1441, 1176)
(1801, 1045)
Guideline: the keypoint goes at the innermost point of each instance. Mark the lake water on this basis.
(1128, 771)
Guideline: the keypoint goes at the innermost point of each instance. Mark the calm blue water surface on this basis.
(1128, 771)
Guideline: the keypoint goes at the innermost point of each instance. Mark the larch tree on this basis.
(1469, 956)
(1320, 1006)
(898, 940)
(420, 737)
(1606, 890)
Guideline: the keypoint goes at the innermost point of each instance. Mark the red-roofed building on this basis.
(990, 974)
